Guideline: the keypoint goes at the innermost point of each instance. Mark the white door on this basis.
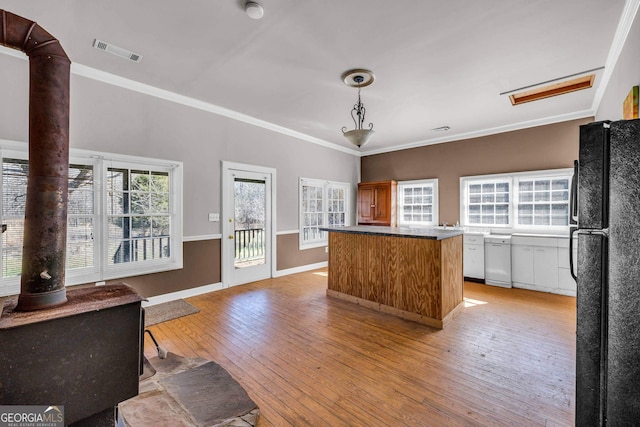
(247, 231)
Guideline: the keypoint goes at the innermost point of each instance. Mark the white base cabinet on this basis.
(541, 264)
(473, 255)
(521, 263)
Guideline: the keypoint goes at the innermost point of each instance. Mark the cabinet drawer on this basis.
(473, 239)
(534, 241)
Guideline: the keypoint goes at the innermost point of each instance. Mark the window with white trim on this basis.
(127, 224)
(418, 202)
(322, 204)
(543, 201)
(139, 222)
(525, 200)
(488, 202)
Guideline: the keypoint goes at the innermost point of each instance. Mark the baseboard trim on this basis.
(301, 269)
(172, 296)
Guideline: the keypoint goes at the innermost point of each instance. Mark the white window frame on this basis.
(435, 207)
(175, 212)
(466, 182)
(326, 185)
(560, 174)
(100, 162)
(514, 181)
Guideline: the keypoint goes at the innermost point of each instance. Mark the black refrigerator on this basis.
(606, 210)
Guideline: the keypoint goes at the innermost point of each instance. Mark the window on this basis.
(418, 202)
(322, 204)
(528, 200)
(543, 201)
(80, 214)
(139, 223)
(129, 225)
(488, 202)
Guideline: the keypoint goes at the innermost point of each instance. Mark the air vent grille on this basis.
(118, 51)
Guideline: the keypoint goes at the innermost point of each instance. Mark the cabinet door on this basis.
(566, 283)
(366, 203)
(522, 264)
(545, 261)
(382, 209)
(473, 261)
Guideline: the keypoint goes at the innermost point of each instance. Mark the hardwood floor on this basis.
(306, 359)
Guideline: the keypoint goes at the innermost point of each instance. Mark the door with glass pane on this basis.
(246, 226)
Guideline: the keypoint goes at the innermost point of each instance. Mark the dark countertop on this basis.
(412, 232)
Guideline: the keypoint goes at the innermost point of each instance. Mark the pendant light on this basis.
(358, 78)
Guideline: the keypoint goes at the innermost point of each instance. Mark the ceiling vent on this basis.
(115, 50)
(567, 86)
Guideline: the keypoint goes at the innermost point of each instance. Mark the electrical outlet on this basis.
(214, 217)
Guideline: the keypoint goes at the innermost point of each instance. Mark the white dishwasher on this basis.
(497, 260)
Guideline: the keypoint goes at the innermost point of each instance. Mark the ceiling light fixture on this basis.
(254, 10)
(358, 78)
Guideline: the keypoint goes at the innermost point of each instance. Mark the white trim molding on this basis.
(622, 32)
(202, 237)
(280, 233)
(186, 293)
(301, 269)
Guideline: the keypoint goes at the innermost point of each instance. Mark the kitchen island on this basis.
(413, 273)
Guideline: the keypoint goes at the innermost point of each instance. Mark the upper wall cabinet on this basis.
(377, 203)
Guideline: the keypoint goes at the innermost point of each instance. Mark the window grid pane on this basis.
(80, 214)
(488, 203)
(543, 202)
(139, 221)
(322, 204)
(417, 203)
(312, 212)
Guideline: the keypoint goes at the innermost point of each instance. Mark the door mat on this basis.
(167, 311)
(189, 392)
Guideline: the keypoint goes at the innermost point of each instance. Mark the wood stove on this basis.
(84, 355)
(80, 349)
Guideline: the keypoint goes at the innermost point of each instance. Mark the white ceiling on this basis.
(436, 63)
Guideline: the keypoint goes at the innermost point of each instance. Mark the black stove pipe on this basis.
(45, 230)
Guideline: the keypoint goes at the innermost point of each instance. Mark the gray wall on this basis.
(115, 120)
(626, 74)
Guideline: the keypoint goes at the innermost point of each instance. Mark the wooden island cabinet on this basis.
(377, 203)
(412, 273)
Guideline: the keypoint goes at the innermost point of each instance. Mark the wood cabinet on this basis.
(377, 203)
(412, 277)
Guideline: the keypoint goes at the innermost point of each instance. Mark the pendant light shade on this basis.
(358, 137)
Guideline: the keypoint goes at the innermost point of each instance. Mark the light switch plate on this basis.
(214, 217)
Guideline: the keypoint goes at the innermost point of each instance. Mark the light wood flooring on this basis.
(306, 359)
